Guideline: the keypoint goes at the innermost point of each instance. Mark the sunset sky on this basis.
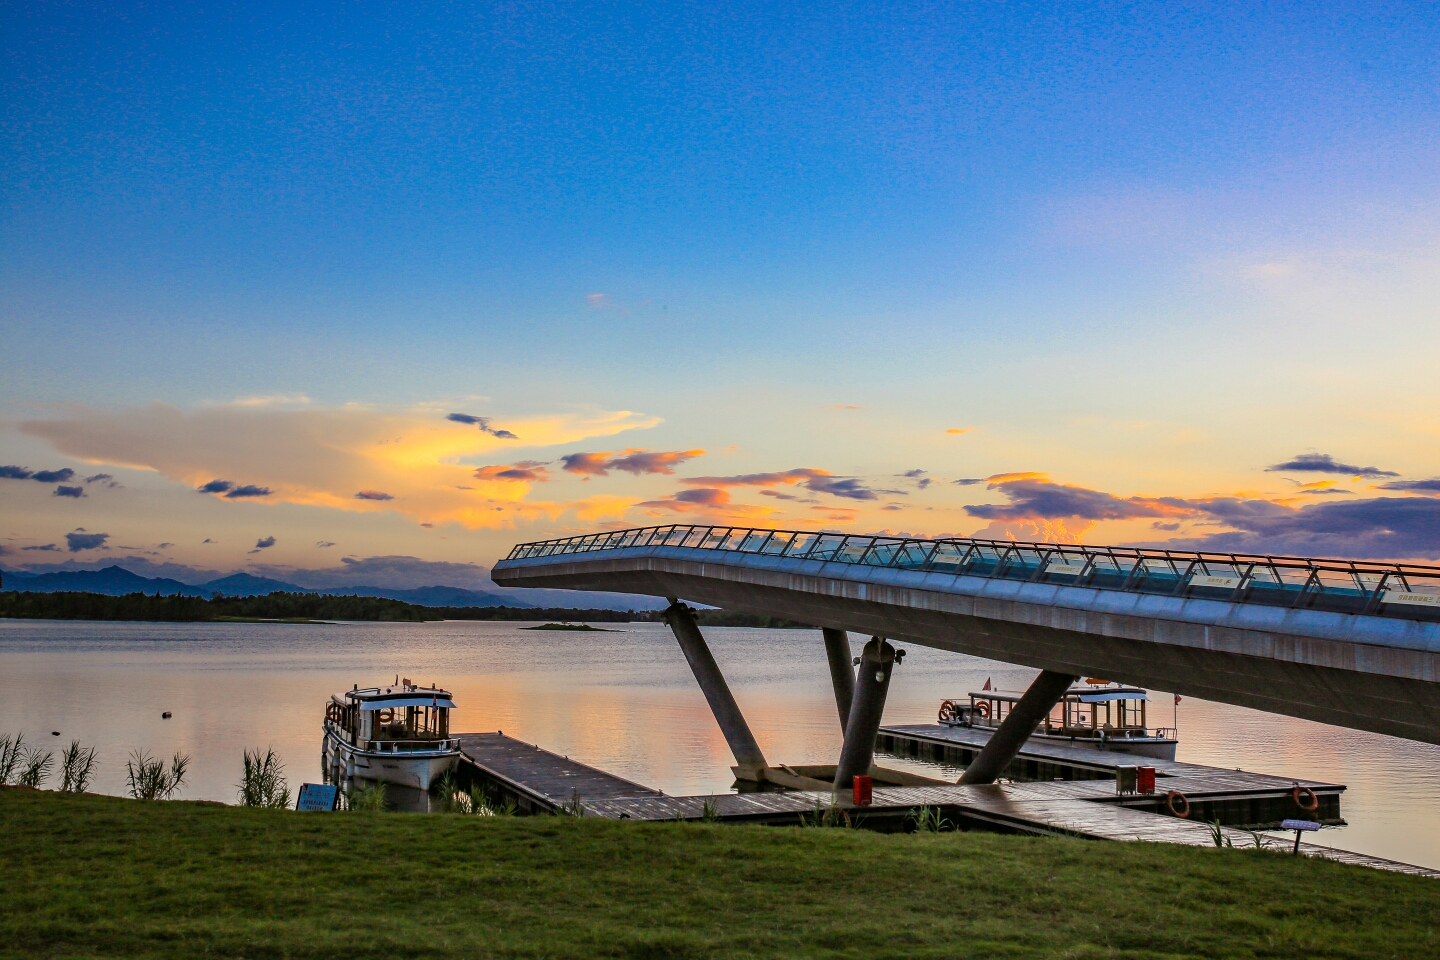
(332, 287)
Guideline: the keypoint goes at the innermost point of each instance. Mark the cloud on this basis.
(214, 486)
(529, 471)
(52, 476)
(844, 406)
(1324, 463)
(322, 544)
(264, 543)
(631, 460)
(48, 548)
(64, 491)
(968, 481)
(80, 540)
(272, 400)
(1165, 526)
(162, 546)
(105, 479)
(373, 495)
(207, 540)
(248, 490)
(1035, 496)
(785, 496)
(959, 430)
(483, 423)
(320, 456)
(1413, 486)
(919, 477)
(819, 481)
(401, 572)
(12, 472)
(1385, 528)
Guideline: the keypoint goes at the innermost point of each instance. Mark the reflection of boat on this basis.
(1106, 716)
(398, 734)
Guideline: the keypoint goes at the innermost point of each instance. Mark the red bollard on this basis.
(1145, 779)
(862, 787)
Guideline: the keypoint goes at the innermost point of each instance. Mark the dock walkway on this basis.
(536, 780)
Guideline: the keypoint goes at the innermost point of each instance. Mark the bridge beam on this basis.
(1005, 743)
(749, 761)
(872, 683)
(842, 671)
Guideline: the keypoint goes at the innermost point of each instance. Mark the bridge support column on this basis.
(842, 671)
(872, 682)
(749, 761)
(1005, 743)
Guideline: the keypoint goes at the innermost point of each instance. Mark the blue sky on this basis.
(1142, 249)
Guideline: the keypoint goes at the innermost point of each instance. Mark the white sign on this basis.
(1068, 569)
(1299, 825)
(1206, 580)
(1419, 599)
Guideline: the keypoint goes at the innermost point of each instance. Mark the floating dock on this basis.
(538, 781)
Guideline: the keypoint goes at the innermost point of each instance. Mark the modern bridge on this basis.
(1350, 643)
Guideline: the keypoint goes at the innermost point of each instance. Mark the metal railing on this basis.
(1404, 590)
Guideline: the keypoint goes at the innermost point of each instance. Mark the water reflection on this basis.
(623, 701)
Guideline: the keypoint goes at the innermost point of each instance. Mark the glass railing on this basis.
(1403, 590)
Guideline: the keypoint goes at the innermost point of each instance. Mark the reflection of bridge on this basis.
(1351, 643)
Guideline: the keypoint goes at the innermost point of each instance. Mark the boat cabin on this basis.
(401, 716)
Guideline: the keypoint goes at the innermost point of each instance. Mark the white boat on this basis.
(397, 734)
(1105, 716)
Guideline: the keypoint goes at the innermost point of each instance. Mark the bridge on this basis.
(1345, 642)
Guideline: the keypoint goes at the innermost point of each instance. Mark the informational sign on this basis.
(316, 796)
(1299, 825)
(1208, 580)
(1405, 596)
(1065, 567)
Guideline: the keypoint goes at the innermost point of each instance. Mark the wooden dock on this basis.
(539, 781)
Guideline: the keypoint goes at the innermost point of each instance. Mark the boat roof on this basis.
(1083, 693)
(397, 695)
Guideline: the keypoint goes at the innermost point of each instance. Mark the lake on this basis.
(624, 701)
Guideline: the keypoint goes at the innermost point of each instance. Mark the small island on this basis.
(584, 627)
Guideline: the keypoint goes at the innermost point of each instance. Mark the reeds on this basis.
(366, 796)
(148, 778)
(35, 767)
(10, 753)
(477, 802)
(263, 783)
(831, 816)
(927, 819)
(77, 766)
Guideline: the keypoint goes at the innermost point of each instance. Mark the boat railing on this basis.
(405, 746)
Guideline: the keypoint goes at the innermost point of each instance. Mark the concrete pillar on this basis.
(1044, 693)
(872, 682)
(842, 671)
(749, 761)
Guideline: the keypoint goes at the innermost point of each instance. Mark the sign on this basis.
(1405, 596)
(1299, 825)
(1206, 580)
(316, 796)
(1068, 569)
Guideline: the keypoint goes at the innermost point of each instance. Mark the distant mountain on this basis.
(112, 581)
(431, 596)
(249, 585)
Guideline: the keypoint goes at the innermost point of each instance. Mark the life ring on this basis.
(983, 708)
(1177, 804)
(386, 715)
(947, 711)
(332, 712)
(1313, 803)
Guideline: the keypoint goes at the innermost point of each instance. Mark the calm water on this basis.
(623, 701)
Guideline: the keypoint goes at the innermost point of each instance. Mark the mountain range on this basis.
(116, 581)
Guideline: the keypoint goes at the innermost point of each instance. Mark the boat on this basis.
(398, 734)
(1096, 713)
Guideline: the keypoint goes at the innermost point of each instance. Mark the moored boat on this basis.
(1105, 716)
(397, 734)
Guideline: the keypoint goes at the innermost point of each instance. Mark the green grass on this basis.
(89, 876)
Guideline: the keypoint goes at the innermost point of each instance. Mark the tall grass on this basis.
(263, 783)
(928, 819)
(35, 767)
(149, 779)
(77, 766)
(366, 796)
(10, 753)
(476, 801)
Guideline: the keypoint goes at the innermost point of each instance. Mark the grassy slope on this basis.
(100, 876)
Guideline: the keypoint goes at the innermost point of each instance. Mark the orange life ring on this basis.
(947, 711)
(1310, 805)
(332, 712)
(982, 708)
(1177, 804)
(386, 715)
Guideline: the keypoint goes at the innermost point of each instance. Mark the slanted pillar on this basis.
(1005, 742)
(842, 671)
(872, 682)
(749, 761)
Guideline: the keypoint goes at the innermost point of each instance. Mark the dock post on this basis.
(1005, 743)
(842, 671)
(872, 682)
(749, 761)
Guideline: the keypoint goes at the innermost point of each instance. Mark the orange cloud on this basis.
(957, 430)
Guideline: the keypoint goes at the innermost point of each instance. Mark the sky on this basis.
(293, 289)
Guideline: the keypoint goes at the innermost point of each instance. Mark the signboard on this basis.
(1299, 825)
(1206, 580)
(1069, 569)
(1405, 596)
(316, 796)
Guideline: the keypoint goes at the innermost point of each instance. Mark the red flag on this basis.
(988, 687)
(1177, 699)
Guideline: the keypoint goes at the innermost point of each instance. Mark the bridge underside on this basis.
(1385, 689)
